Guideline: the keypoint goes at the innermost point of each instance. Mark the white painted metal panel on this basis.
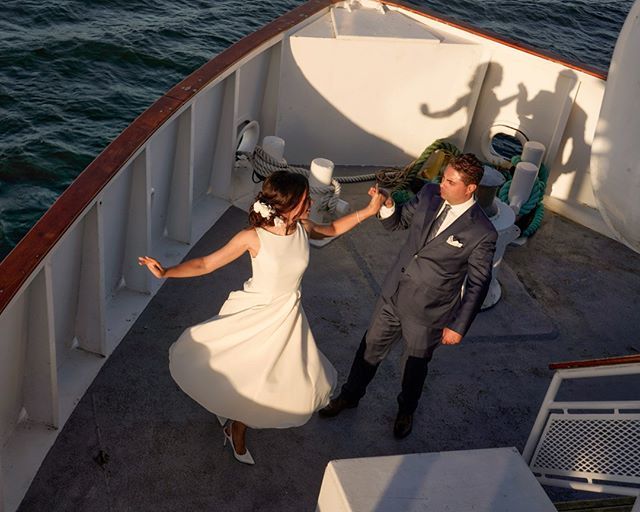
(13, 350)
(364, 102)
(539, 109)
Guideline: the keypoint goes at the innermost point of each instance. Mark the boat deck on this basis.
(136, 442)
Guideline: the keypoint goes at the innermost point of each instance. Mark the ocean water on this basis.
(74, 74)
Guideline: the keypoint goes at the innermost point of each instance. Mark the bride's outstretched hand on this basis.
(378, 197)
(153, 265)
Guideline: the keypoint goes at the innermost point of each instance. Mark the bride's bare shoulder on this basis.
(249, 237)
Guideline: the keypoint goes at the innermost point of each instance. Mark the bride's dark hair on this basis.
(281, 191)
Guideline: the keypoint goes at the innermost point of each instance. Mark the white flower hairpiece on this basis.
(267, 212)
(263, 209)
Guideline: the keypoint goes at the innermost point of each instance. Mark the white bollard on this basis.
(503, 221)
(274, 147)
(523, 179)
(491, 180)
(533, 152)
(321, 172)
(320, 175)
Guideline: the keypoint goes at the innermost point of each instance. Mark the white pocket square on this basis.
(452, 241)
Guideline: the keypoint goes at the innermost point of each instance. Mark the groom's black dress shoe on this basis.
(403, 425)
(336, 406)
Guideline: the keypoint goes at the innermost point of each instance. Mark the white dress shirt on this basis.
(455, 212)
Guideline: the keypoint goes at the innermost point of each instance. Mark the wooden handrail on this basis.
(592, 363)
(21, 262)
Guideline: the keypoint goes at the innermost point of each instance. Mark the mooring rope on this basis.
(399, 181)
(263, 164)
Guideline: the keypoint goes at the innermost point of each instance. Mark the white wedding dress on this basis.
(257, 361)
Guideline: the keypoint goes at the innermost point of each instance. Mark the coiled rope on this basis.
(400, 180)
(264, 164)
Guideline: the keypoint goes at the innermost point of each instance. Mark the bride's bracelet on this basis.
(358, 216)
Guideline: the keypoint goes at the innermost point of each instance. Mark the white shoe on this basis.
(221, 420)
(246, 457)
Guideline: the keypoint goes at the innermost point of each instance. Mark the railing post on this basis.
(541, 419)
(224, 155)
(41, 376)
(90, 319)
(138, 240)
(180, 207)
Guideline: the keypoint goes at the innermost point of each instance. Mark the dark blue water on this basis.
(73, 73)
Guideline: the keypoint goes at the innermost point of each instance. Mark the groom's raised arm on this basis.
(395, 217)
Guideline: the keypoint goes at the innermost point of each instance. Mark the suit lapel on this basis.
(458, 225)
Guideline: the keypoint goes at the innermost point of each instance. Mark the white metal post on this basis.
(542, 417)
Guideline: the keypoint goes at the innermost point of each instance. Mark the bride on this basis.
(256, 361)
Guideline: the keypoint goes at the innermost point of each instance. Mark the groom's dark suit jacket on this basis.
(428, 276)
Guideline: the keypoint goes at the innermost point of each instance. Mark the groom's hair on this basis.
(282, 191)
(469, 167)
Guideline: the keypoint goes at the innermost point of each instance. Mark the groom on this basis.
(450, 238)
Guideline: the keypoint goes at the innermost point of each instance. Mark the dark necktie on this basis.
(438, 222)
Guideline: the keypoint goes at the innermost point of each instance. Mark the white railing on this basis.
(591, 445)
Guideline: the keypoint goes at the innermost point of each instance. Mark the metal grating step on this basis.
(594, 446)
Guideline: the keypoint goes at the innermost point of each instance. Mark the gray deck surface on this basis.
(568, 294)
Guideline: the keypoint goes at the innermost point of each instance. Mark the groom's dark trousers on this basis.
(421, 295)
(362, 372)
